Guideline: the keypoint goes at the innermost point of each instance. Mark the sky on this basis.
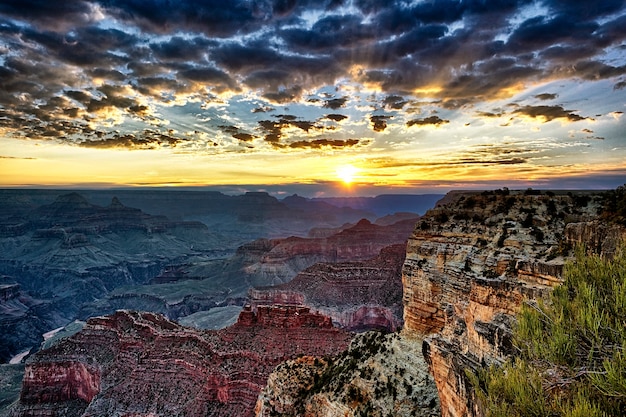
(319, 97)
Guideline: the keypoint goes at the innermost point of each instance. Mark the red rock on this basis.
(140, 364)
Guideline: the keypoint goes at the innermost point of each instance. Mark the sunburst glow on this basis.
(347, 173)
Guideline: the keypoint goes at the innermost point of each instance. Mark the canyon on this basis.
(448, 295)
(74, 259)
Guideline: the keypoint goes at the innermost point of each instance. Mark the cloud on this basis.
(427, 121)
(379, 123)
(335, 103)
(394, 102)
(52, 15)
(324, 143)
(549, 113)
(182, 49)
(212, 77)
(274, 128)
(546, 96)
(335, 117)
(117, 67)
(148, 139)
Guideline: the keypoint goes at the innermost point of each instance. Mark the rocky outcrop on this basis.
(379, 375)
(357, 295)
(471, 262)
(134, 363)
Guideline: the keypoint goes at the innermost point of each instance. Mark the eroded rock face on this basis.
(134, 363)
(378, 376)
(356, 295)
(470, 264)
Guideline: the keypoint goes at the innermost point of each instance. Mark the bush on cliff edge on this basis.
(572, 349)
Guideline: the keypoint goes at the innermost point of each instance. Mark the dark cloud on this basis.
(244, 137)
(379, 123)
(546, 96)
(213, 17)
(394, 102)
(182, 49)
(493, 114)
(427, 121)
(263, 109)
(324, 143)
(210, 76)
(539, 32)
(284, 95)
(511, 161)
(549, 113)
(331, 32)
(335, 117)
(148, 139)
(273, 128)
(50, 15)
(336, 103)
(585, 10)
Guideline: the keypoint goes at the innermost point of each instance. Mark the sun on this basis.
(347, 173)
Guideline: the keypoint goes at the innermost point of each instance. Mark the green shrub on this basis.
(571, 350)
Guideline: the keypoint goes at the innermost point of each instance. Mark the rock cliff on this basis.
(356, 295)
(135, 364)
(377, 376)
(472, 261)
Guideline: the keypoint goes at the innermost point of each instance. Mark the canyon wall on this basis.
(134, 363)
(357, 295)
(470, 264)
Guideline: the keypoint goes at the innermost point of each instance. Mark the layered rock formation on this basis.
(182, 290)
(282, 259)
(142, 364)
(471, 262)
(378, 376)
(357, 295)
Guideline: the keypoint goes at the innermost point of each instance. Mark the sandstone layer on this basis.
(140, 364)
(471, 263)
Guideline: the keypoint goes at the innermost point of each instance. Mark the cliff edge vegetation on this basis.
(571, 350)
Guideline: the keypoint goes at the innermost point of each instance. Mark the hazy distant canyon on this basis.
(188, 255)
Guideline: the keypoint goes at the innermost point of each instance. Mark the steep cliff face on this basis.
(134, 363)
(378, 376)
(356, 295)
(470, 264)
